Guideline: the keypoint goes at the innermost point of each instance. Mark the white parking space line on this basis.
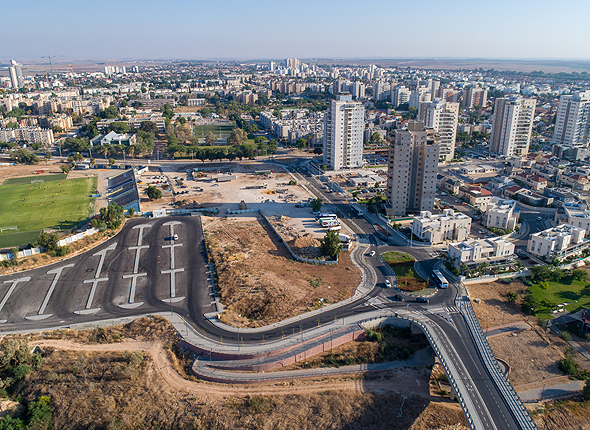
(173, 298)
(173, 270)
(131, 303)
(89, 309)
(41, 315)
(14, 282)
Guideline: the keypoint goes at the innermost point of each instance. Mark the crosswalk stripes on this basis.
(453, 309)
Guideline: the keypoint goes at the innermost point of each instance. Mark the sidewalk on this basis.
(202, 369)
(507, 329)
(560, 390)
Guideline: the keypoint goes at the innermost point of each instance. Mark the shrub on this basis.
(568, 366)
(511, 296)
(565, 336)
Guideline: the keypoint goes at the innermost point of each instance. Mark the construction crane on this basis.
(50, 62)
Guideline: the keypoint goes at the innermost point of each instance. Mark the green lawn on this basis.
(35, 179)
(396, 257)
(566, 290)
(50, 204)
(200, 131)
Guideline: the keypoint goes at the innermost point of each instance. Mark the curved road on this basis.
(145, 270)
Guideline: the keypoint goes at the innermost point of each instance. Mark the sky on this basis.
(262, 29)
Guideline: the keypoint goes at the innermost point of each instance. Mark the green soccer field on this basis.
(48, 204)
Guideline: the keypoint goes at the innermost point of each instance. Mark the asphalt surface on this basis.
(98, 284)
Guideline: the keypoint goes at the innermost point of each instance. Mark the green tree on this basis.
(112, 215)
(318, 150)
(57, 129)
(131, 211)
(119, 127)
(273, 145)
(154, 193)
(544, 285)
(112, 161)
(210, 138)
(587, 389)
(47, 156)
(330, 244)
(579, 275)
(511, 296)
(48, 241)
(530, 304)
(540, 273)
(149, 127)
(80, 144)
(65, 169)
(316, 204)
(301, 143)
(22, 156)
(237, 137)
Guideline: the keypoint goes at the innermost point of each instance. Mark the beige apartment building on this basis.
(449, 225)
(442, 117)
(412, 170)
(512, 125)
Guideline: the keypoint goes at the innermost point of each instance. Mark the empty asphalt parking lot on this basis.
(152, 265)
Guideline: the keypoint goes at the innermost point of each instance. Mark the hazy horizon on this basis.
(330, 29)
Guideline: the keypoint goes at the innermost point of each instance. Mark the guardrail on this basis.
(513, 400)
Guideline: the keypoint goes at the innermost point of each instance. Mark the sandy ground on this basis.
(259, 281)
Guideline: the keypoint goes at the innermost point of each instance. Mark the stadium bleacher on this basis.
(123, 190)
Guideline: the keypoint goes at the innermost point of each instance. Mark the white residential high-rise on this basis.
(412, 170)
(572, 123)
(442, 117)
(344, 125)
(399, 95)
(16, 74)
(512, 125)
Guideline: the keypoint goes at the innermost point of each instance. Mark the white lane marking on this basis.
(41, 315)
(14, 282)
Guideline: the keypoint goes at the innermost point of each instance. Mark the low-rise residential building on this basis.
(438, 228)
(574, 181)
(495, 251)
(558, 242)
(534, 182)
(476, 196)
(578, 217)
(500, 214)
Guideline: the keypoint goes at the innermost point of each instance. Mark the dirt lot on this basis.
(106, 385)
(534, 353)
(260, 283)
(494, 304)
(278, 198)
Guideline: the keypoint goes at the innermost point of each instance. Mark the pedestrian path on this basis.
(554, 391)
(507, 329)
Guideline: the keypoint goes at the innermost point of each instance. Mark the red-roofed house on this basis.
(476, 196)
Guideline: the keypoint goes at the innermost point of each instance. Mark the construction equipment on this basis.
(51, 63)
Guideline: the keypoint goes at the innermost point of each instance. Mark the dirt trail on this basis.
(406, 380)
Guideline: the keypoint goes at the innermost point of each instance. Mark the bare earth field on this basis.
(105, 385)
(259, 282)
(534, 353)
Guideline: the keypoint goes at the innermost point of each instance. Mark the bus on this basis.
(440, 279)
(322, 216)
(357, 210)
(329, 223)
